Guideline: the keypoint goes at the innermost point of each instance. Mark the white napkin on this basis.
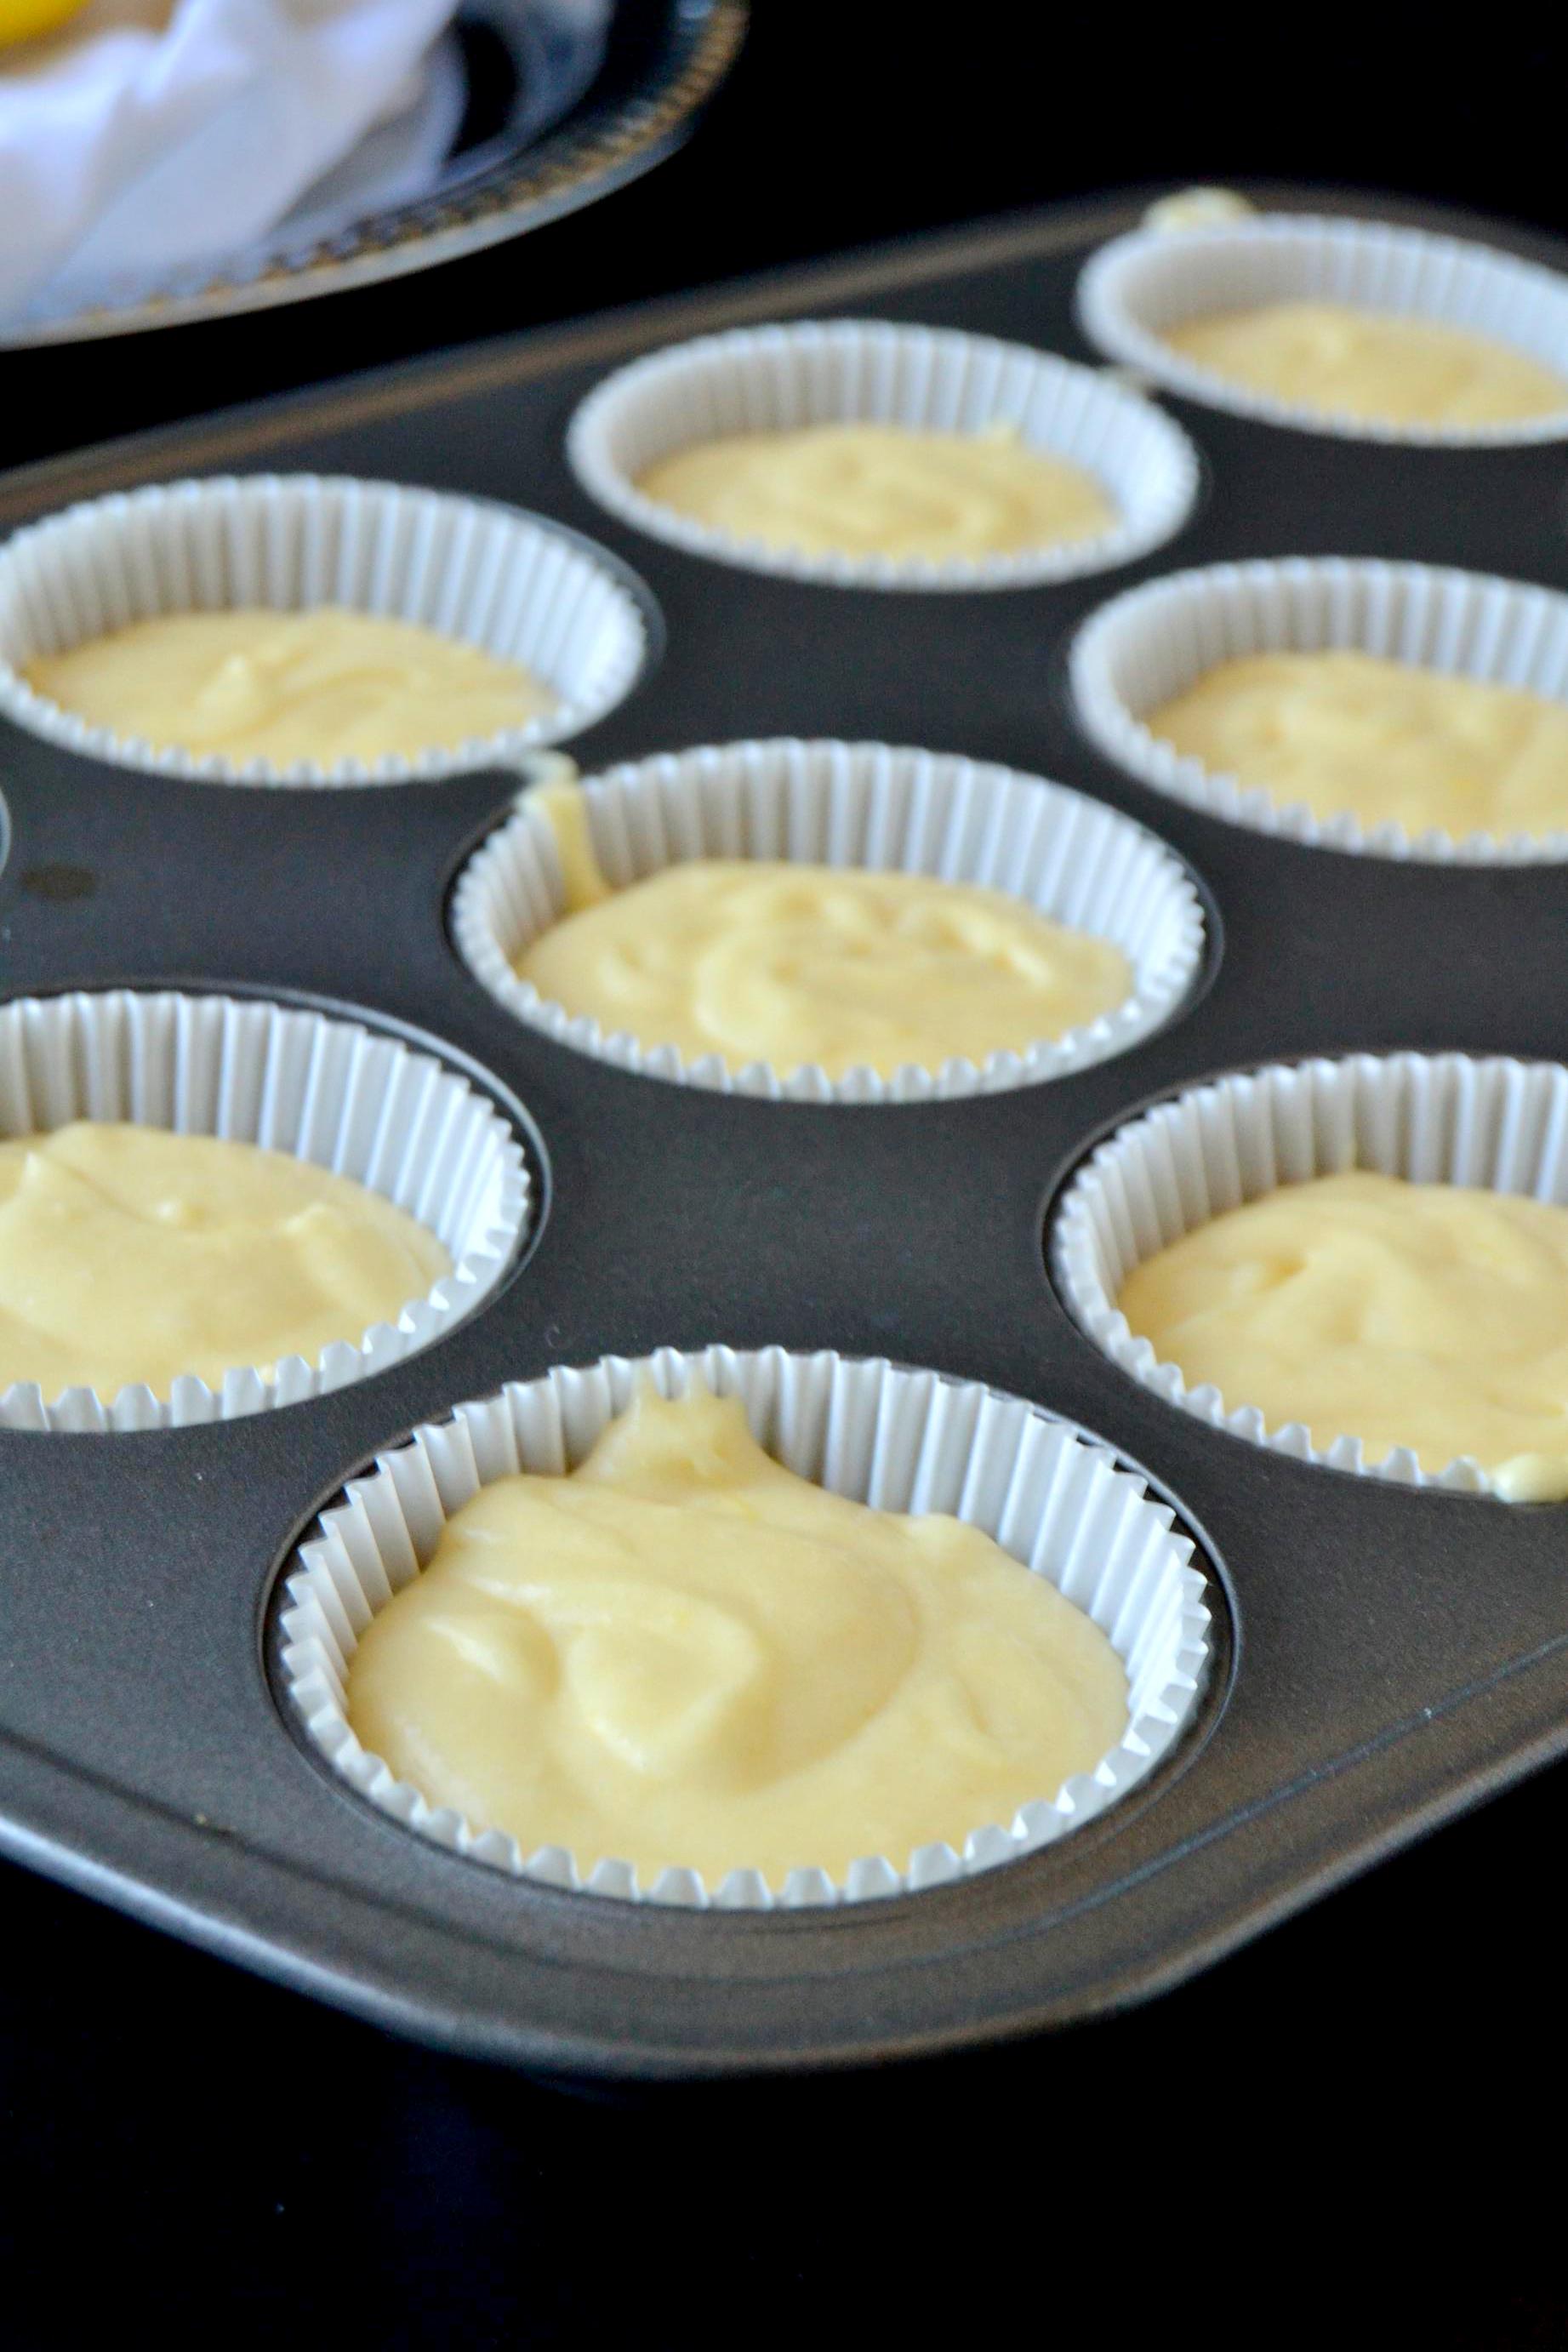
(143, 138)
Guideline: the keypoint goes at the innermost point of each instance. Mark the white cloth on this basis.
(143, 138)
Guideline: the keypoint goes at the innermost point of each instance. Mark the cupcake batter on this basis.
(792, 964)
(880, 489)
(1381, 367)
(1391, 742)
(323, 686)
(129, 1254)
(1427, 1315)
(683, 1656)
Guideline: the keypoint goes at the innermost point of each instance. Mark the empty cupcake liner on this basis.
(849, 804)
(522, 589)
(1139, 286)
(1443, 1118)
(1155, 641)
(775, 379)
(899, 1440)
(325, 1090)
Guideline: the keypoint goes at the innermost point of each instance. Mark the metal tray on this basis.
(1391, 1657)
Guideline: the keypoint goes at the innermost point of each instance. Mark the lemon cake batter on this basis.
(129, 1254)
(1427, 1315)
(323, 686)
(1377, 366)
(1385, 739)
(683, 1655)
(882, 490)
(794, 964)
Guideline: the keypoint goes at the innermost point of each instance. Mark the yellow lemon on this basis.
(20, 20)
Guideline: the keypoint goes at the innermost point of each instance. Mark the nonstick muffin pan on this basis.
(1382, 1656)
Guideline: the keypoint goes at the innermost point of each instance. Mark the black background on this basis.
(851, 120)
(1362, 2109)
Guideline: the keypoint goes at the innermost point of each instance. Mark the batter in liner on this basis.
(321, 686)
(1389, 742)
(683, 1655)
(1427, 1315)
(882, 490)
(756, 960)
(1377, 366)
(129, 1254)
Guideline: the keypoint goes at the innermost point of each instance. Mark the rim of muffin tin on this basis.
(1153, 641)
(328, 1088)
(1061, 1501)
(867, 805)
(1154, 278)
(811, 372)
(1492, 1121)
(516, 584)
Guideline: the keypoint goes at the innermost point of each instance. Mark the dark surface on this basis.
(1360, 2111)
(158, 2105)
(1350, 2110)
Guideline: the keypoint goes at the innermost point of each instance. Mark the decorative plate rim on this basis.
(596, 149)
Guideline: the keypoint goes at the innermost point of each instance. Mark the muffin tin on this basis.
(1383, 1655)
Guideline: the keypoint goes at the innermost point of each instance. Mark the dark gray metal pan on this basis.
(1388, 1657)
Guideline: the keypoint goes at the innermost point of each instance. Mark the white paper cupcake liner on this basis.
(1444, 1118)
(776, 379)
(849, 804)
(326, 1091)
(1155, 642)
(901, 1441)
(523, 589)
(1138, 286)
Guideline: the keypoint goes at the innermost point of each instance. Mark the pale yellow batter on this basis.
(1382, 738)
(129, 1254)
(683, 1656)
(1380, 367)
(1427, 1315)
(323, 686)
(881, 489)
(794, 965)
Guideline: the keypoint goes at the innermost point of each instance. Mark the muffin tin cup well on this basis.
(849, 804)
(522, 588)
(1142, 648)
(781, 378)
(1136, 287)
(899, 1440)
(323, 1089)
(1448, 1119)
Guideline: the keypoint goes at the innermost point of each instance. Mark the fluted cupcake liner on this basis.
(324, 1089)
(1138, 286)
(521, 588)
(1449, 1119)
(780, 378)
(1142, 648)
(847, 804)
(899, 1440)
